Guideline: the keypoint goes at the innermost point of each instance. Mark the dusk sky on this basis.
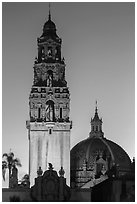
(98, 47)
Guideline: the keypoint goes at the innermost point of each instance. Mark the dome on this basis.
(49, 28)
(94, 148)
(97, 158)
(49, 25)
(49, 31)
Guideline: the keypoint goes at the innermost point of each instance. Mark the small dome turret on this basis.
(96, 117)
(49, 28)
(96, 125)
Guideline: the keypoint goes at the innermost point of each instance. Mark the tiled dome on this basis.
(94, 147)
(49, 25)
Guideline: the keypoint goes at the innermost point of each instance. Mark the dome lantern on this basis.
(96, 125)
(49, 28)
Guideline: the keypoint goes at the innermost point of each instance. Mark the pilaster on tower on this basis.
(49, 102)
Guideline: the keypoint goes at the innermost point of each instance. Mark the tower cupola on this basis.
(96, 125)
(49, 27)
(49, 44)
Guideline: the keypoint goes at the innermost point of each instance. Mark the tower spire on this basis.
(96, 124)
(96, 109)
(49, 12)
(96, 117)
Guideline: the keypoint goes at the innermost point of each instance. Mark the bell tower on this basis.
(49, 104)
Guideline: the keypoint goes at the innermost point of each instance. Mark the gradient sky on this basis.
(98, 47)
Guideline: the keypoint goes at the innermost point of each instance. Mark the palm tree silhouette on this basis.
(4, 167)
(9, 162)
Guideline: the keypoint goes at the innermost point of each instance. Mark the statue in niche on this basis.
(49, 78)
(103, 170)
(101, 165)
(49, 81)
(50, 111)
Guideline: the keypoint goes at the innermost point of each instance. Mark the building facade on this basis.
(96, 169)
(49, 105)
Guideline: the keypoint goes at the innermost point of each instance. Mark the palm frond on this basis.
(3, 173)
(17, 162)
(5, 155)
(9, 158)
(11, 154)
(4, 165)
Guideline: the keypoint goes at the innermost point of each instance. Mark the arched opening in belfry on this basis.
(50, 51)
(41, 53)
(49, 78)
(50, 111)
(57, 53)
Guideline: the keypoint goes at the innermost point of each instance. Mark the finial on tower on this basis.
(96, 109)
(49, 12)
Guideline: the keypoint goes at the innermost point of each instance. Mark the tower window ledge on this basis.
(50, 124)
(38, 64)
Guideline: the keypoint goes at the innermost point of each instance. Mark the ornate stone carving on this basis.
(61, 172)
(50, 187)
(39, 172)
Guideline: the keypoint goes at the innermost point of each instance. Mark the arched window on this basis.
(49, 78)
(50, 111)
(96, 128)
